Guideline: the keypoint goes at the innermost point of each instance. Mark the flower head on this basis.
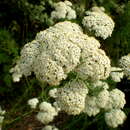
(59, 50)
(63, 10)
(47, 113)
(98, 23)
(114, 117)
(124, 63)
(71, 97)
(91, 108)
(33, 102)
(116, 99)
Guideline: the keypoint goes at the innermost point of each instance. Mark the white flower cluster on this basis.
(2, 112)
(64, 48)
(99, 23)
(111, 101)
(91, 108)
(71, 97)
(47, 113)
(59, 50)
(59, 53)
(78, 96)
(124, 63)
(33, 103)
(63, 10)
(97, 99)
(107, 100)
(16, 73)
(116, 74)
(95, 65)
(116, 99)
(25, 63)
(47, 70)
(102, 98)
(115, 117)
(50, 127)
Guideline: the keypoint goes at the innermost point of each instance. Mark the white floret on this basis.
(60, 11)
(52, 92)
(71, 98)
(124, 63)
(102, 98)
(98, 9)
(47, 107)
(115, 117)
(33, 102)
(44, 117)
(99, 85)
(47, 70)
(71, 14)
(63, 10)
(50, 127)
(2, 112)
(55, 104)
(28, 55)
(116, 99)
(98, 93)
(98, 23)
(68, 3)
(16, 73)
(91, 108)
(47, 113)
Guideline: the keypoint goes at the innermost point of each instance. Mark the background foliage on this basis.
(20, 20)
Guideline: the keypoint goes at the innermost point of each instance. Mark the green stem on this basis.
(18, 118)
(23, 96)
